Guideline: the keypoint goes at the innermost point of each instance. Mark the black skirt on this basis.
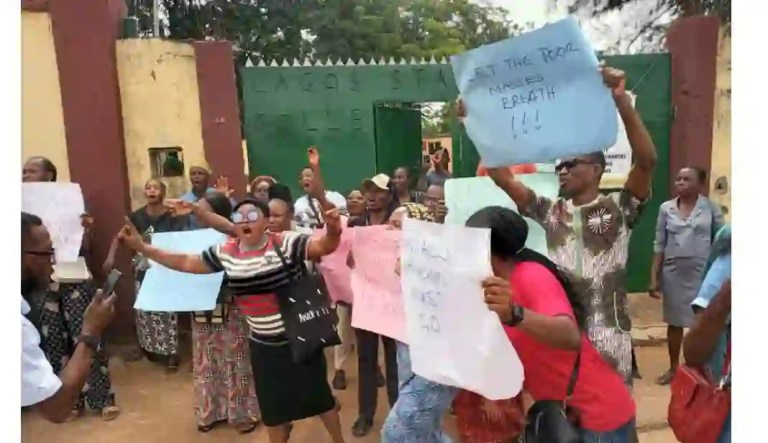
(289, 391)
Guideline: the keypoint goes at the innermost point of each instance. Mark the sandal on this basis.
(665, 378)
(247, 428)
(173, 365)
(110, 413)
(206, 428)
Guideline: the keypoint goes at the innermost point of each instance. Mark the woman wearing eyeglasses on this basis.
(224, 389)
(63, 310)
(287, 391)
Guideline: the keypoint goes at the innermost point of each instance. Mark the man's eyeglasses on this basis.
(50, 254)
(570, 164)
(248, 217)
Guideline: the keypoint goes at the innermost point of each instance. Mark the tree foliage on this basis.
(336, 29)
(637, 25)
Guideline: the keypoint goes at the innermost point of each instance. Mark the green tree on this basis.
(263, 29)
(403, 29)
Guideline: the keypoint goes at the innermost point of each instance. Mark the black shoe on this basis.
(380, 382)
(339, 380)
(636, 374)
(362, 427)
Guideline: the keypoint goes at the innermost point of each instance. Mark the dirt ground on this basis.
(158, 408)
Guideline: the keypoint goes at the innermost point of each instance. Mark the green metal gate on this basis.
(339, 107)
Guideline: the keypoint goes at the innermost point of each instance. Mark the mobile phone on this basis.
(109, 285)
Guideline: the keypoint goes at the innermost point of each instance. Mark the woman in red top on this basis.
(545, 323)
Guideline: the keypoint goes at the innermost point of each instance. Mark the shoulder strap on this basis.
(320, 223)
(574, 375)
(276, 246)
(725, 377)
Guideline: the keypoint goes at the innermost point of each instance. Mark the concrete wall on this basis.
(42, 116)
(161, 108)
(721, 129)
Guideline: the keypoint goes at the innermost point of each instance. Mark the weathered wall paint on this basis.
(42, 116)
(692, 42)
(84, 34)
(721, 129)
(161, 108)
(220, 112)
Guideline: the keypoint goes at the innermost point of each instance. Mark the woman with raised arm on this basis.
(224, 389)
(287, 391)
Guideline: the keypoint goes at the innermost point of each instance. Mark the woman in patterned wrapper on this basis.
(62, 313)
(157, 331)
(287, 391)
(224, 389)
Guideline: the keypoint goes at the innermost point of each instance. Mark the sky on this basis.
(614, 31)
(524, 11)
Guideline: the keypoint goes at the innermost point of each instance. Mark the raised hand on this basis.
(313, 157)
(332, 220)
(130, 237)
(178, 207)
(614, 79)
(86, 221)
(222, 185)
(461, 109)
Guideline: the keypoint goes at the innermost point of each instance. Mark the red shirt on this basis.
(601, 398)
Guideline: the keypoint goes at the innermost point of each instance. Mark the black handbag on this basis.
(552, 421)
(310, 322)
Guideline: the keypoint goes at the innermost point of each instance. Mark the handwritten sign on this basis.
(465, 196)
(60, 206)
(166, 290)
(536, 97)
(336, 273)
(618, 158)
(454, 339)
(378, 299)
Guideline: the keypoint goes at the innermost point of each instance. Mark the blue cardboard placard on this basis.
(536, 97)
(166, 290)
(465, 196)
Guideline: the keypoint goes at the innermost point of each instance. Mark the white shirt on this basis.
(305, 216)
(38, 382)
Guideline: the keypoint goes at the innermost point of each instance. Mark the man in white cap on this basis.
(380, 205)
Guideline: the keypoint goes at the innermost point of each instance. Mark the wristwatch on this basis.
(89, 340)
(518, 313)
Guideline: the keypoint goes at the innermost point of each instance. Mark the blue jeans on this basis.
(624, 434)
(417, 416)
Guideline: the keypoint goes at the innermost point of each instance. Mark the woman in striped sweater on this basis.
(287, 391)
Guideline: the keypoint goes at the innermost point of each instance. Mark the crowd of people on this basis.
(566, 313)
